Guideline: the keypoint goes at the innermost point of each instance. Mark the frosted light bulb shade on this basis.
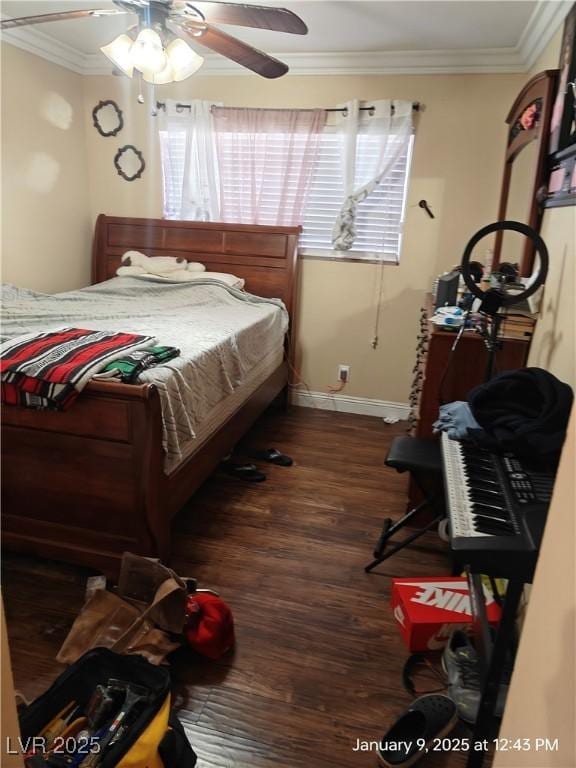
(160, 78)
(183, 59)
(147, 52)
(119, 53)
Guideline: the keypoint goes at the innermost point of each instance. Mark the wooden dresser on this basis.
(440, 378)
(435, 384)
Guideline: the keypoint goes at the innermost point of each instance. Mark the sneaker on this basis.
(459, 647)
(460, 662)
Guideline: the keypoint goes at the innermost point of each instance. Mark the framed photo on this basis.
(562, 143)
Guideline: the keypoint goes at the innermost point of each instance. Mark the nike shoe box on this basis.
(428, 609)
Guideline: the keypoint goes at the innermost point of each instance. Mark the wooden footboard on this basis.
(82, 485)
(86, 485)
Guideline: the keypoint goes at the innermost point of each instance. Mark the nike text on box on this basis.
(428, 609)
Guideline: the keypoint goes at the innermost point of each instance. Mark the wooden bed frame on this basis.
(85, 485)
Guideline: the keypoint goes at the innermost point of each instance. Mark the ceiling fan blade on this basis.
(25, 21)
(258, 16)
(232, 48)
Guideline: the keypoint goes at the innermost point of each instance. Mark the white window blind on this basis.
(379, 219)
(274, 185)
(172, 152)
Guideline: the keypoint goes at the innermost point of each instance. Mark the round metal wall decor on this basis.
(129, 162)
(107, 118)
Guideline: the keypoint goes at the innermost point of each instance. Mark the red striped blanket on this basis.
(49, 370)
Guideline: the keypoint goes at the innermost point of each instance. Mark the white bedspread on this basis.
(222, 334)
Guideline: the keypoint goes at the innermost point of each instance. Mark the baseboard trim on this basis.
(348, 404)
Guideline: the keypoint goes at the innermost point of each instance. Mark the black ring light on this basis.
(498, 226)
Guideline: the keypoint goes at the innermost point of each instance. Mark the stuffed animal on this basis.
(175, 267)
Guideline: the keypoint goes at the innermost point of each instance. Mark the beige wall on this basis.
(45, 210)
(457, 167)
(554, 344)
(542, 698)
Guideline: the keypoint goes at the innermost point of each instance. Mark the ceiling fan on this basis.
(160, 52)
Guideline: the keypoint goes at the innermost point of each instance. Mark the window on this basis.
(379, 219)
(172, 152)
(276, 169)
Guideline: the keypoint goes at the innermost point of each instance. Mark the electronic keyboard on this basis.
(496, 509)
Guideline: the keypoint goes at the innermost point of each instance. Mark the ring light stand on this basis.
(495, 299)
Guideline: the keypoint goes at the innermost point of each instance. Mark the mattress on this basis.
(230, 342)
(230, 404)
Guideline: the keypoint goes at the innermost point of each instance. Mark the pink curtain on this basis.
(266, 158)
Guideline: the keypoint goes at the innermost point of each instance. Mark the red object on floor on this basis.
(427, 609)
(209, 626)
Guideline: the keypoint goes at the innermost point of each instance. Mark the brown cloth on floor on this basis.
(155, 605)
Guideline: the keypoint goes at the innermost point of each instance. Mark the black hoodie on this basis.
(525, 411)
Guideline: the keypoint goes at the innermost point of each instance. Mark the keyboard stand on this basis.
(423, 460)
(494, 660)
(380, 551)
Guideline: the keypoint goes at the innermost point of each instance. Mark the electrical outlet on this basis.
(344, 373)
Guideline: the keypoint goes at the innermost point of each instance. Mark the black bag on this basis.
(154, 739)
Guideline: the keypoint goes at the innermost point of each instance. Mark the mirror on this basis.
(129, 162)
(107, 118)
(525, 169)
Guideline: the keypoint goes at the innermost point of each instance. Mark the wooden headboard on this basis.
(266, 257)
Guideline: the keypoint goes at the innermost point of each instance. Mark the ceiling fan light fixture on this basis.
(119, 51)
(164, 77)
(148, 53)
(183, 60)
(187, 18)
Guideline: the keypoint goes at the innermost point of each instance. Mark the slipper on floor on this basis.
(272, 456)
(428, 717)
(248, 472)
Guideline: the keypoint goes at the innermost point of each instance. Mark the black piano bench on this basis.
(423, 459)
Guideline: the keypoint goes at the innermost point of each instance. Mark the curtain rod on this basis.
(343, 110)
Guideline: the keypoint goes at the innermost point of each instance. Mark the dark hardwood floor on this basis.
(318, 659)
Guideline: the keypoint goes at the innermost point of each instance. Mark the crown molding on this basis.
(487, 60)
(543, 23)
(40, 44)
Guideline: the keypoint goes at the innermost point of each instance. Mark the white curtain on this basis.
(190, 130)
(389, 127)
(266, 158)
